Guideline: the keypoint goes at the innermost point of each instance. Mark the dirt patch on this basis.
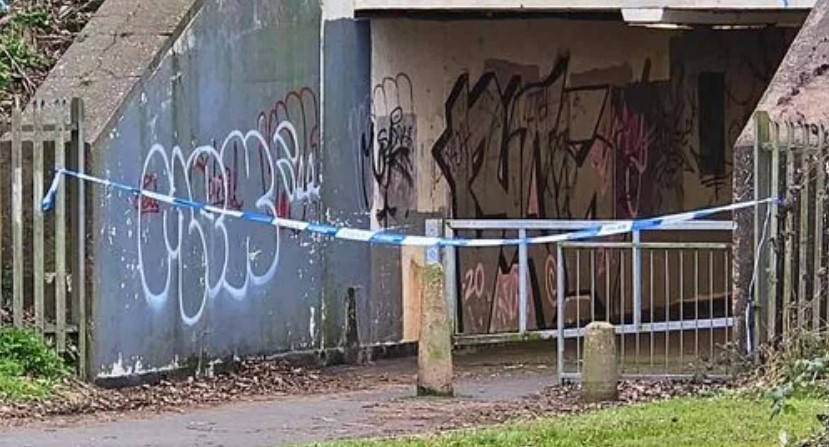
(64, 21)
(407, 415)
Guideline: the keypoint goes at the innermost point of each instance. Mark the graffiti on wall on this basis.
(550, 148)
(194, 257)
(386, 124)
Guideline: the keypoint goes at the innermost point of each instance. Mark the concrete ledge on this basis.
(312, 358)
(367, 6)
(119, 45)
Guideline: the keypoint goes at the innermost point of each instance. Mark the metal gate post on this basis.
(450, 275)
(637, 280)
(523, 271)
(560, 312)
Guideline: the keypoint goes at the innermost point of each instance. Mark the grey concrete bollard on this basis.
(600, 374)
(434, 349)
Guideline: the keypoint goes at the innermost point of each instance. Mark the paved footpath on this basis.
(270, 423)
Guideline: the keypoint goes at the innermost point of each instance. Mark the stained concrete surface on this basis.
(278, 422)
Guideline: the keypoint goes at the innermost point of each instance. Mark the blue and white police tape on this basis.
(390, 238)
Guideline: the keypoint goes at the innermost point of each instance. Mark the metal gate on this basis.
(667, 291)
(790, 277)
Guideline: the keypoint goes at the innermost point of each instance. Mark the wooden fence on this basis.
(791, 161)
(42, 255)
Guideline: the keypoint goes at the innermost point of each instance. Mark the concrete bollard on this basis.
(434, 349)
(600, 374)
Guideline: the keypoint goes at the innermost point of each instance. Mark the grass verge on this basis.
(29, 369)
(734, 421)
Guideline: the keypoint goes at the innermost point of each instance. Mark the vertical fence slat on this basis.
(773, 235)
(803, 271)
(17, 217)
(727, 293)
(759, 308)
(79, 231)
(60, 232)
(824, 146)
(818, 241)
(788, 232)
(37, 214)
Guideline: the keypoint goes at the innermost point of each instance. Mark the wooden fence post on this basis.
(37, 214)
(17, 217)
(78, 206)
(60, 231)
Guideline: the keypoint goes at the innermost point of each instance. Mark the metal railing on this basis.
(669, 295)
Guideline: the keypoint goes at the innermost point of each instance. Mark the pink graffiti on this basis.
(507, 287)
(550, 285)
(634, 137)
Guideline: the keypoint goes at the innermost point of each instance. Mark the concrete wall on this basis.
(233, 115)
(296, 109)
(558, 119)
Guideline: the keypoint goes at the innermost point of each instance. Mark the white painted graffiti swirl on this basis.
(223, 258)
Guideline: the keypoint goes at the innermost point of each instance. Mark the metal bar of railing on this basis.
(570, 333)
(450, 272)
(650, 245)
(563, 225)
(523, 273)
(578, 307)
(711, 301)
(637, 277)
(681, 302)
(560, 311)
(696, 304)
(622, 293)
(650, 277)
(667, 310)
(592, 285)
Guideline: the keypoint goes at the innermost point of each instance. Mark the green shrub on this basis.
(800, 367)
(17, 54)
(32, 357)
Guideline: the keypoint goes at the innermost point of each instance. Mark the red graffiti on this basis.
(147, 205)
(216, 194)
(300, 107)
